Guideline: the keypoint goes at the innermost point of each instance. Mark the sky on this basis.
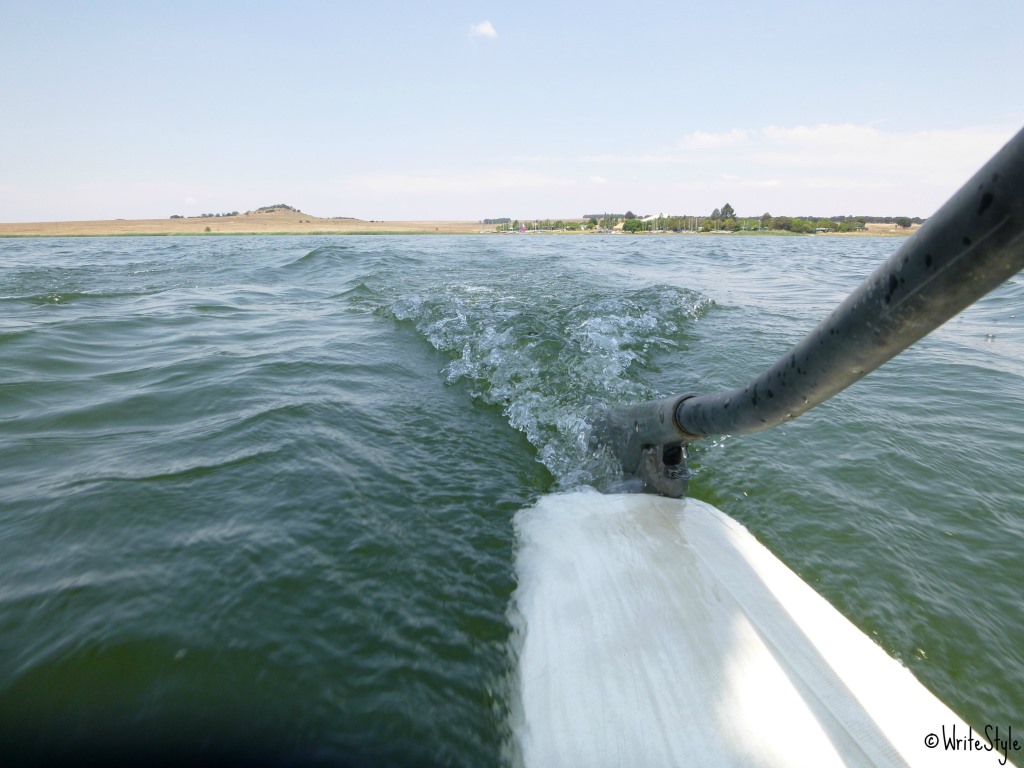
(460, 110)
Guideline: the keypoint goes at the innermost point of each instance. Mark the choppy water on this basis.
(257, 494)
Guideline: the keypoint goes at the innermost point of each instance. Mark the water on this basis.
(257, 494)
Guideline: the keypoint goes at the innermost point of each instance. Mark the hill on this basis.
(276, 219)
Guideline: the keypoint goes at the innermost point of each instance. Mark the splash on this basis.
(549, 355)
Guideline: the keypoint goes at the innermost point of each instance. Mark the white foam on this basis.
(654, 632)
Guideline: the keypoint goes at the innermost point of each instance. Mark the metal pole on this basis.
(972, 245)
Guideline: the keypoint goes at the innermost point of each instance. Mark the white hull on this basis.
(659, 632)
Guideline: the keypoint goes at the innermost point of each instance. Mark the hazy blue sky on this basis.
(403, 110)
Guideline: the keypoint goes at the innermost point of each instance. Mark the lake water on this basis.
(257, 495)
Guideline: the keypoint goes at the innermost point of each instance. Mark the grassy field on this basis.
(277, 222)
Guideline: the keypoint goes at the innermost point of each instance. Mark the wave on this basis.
(548, 356)
(326, 255)
(72, 296)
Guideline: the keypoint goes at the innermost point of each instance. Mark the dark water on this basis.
(256, 494)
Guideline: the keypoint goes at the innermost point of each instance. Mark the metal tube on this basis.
(972, 245)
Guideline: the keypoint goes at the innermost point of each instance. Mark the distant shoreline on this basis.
(291, 222)
(279, 222)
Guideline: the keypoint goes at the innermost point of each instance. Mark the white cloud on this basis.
(483, 29)
(825, 167)
(823, 135)
(740, 181)
(826, 145)
(863, 154)
(645, 158)
(473, 183)
(460, 194)
(703, 140)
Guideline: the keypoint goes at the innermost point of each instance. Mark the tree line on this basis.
(205, 215)
(722, 219)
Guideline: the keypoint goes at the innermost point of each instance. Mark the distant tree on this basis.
(903, 222)
(766, 220)
(630, 216)
(716, 214)
(632, 225)
(728, 212)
